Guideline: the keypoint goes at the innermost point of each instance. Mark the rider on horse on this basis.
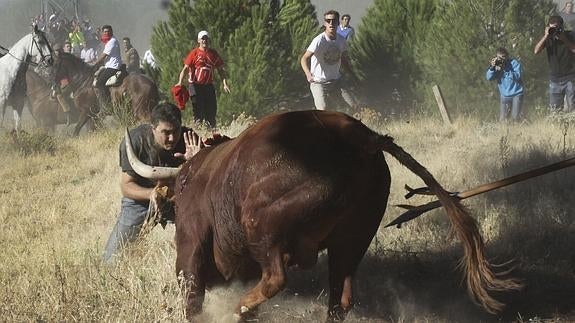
(111, 57)
(60, 89)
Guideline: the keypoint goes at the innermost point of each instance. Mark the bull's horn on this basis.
(147, 171)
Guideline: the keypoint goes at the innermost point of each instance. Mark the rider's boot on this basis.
(103, 98)
(65, 107)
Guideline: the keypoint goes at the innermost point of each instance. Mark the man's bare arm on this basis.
(133, 190)
(305, 65)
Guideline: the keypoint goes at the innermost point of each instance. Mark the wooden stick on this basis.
(416, 211)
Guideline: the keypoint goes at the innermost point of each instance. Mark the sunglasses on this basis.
(331, 21)
(205, 38)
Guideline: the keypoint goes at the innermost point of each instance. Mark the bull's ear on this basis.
(35, 28)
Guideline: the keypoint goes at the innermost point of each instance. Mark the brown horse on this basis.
(140, 90)
(34, 89)
(47, 112)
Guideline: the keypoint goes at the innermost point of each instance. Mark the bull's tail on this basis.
(479, 275)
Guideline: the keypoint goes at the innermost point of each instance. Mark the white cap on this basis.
(202, 34)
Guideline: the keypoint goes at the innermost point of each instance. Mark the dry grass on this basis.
(57, 209)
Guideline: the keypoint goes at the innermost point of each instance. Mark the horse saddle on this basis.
(114, 80)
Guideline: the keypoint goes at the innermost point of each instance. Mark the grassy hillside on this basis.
(60, 197)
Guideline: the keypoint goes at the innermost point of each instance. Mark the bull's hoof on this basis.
(336, 314)
(246, 314)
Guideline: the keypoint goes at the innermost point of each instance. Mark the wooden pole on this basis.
(441, 104)
(415, 211)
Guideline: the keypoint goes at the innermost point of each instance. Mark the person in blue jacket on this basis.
(507, 71)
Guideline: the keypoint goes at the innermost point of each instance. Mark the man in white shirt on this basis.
(88, 53)
(327, 53)
(112, 59)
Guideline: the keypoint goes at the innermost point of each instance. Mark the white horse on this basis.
(33, 48)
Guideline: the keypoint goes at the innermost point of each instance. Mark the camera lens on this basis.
(553, 31)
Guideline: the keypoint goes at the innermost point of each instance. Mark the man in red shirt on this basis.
(200, 64)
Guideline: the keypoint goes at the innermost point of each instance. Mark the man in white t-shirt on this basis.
(112, 59)
(88, 53)
(327, 53)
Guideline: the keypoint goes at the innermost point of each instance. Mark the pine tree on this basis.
(383, 49)
(171, 41)
(255, 61)
(462, 39)
(298, 18)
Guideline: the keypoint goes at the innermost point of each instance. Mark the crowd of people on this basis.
(83, 40)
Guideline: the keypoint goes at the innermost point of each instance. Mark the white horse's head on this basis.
(39, 51)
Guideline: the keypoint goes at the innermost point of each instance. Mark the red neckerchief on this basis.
(105, 38)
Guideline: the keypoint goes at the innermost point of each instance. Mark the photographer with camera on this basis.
(560, 46)
(507, 71)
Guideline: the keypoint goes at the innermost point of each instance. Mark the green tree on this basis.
(255, 61)
(462, 38)
(171, 40)
(297, 18)
(383, 52)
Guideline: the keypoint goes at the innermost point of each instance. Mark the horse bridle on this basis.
(42, 56)
(33, 42)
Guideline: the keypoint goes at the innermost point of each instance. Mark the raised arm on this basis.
(541, 43)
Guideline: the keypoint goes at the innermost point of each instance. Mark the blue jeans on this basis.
(558, 91)
(127, 228)
(511, 104)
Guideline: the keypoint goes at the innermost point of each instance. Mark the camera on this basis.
(554, 31)
(499, 61)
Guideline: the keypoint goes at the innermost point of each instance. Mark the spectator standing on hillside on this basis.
(131, 56)
(345, 30)
(199, 65)
(76, 39)
(67, 48)
(327, 53)
(507, 71)
(162, 142)
(89, 54)
(560, 46)
(567, 14)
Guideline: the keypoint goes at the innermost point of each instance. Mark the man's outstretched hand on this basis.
(193, 144)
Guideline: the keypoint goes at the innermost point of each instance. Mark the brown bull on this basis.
(287, 187)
